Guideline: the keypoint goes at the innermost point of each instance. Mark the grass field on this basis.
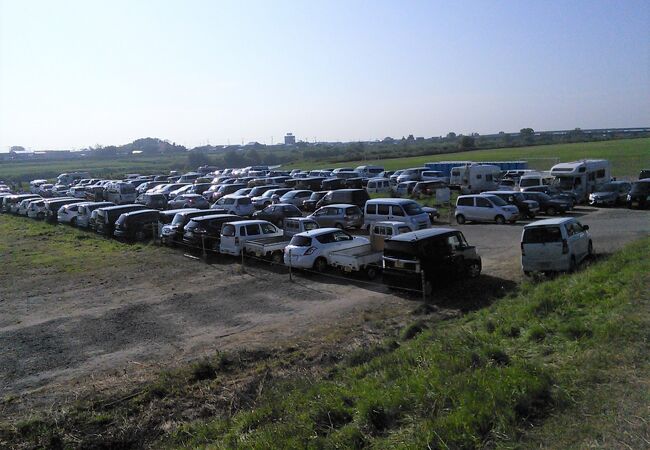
(569, 349)
(107, 168)
(628, 156)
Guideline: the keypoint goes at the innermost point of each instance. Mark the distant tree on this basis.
(197, 159)
(410, 138)
(451, 136)
(527, 135)
(388, 139)
(233, 158)
(467, 142)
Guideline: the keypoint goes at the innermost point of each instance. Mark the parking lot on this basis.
(110, 323)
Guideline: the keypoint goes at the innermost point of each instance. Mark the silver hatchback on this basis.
(339, 216)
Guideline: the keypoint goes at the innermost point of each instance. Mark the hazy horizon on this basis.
(75, 74)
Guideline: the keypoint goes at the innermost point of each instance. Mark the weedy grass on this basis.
(31, 245)
(478, 381)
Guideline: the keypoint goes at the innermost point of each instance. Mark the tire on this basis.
(474, 270)
(371, 272)
(550, 211)
(73, 222)
(590, 250)
(500, 220)
(460, 219)
(277, 258)
(320, 264)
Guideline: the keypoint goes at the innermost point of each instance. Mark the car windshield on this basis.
(309, 225)
(565, 183)
(413, 209)
(526, 182)
(540, 235)
(609, 187)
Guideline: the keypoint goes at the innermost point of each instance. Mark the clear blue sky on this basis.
(80, 73)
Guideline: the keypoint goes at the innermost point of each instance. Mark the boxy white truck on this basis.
(475, 178)
(582, 177)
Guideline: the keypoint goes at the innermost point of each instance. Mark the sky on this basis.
(75, 74)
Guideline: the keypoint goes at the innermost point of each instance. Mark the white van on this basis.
(369, 171)
(534, 180)
(120, 193)
(484, 208)
(554, 245)
(234, 234)
(396, 210)
(378, 185)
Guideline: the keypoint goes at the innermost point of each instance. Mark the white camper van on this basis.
(475, 178)
(582, 177)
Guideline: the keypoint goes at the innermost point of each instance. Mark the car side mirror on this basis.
(585, 227)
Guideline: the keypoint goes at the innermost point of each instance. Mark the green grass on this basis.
(478, 381)
(28, 245)
(628, 156)
(107, 168)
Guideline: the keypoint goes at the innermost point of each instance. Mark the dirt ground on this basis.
(61, 334)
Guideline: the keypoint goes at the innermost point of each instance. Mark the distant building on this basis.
(289, 139)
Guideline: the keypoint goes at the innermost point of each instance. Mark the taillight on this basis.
(310, 250)
(565, 247)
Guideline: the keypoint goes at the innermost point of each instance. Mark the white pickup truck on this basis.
(273, 247)
(368, 257)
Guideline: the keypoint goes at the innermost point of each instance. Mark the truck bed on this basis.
(355, 258)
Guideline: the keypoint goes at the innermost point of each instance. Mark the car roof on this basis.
(173, 212)
(395, 201)
(549, 222)
(500, 192)
(212, 216)
(317, 232)
(338, 205)
(140, 211)
(249, 222)
(418, 235)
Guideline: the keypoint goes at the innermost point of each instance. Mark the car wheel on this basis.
(500, 220)
(590, 250)
(460, 219)
(320, 264)
(371, 272)
(551, 211)
(277, 257)
(73, 222)
(474, 270)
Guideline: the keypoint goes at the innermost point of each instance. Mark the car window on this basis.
(465, 201)
(382, 209)
(371, 209)
(352, 210)
(483, 202)
(242, 231)
(325, 238)
(398, 211)
(301, 241)
(309, 225)
(252, 229)
(403, 230)
(539, 235)
(267, 228)
(340, 236)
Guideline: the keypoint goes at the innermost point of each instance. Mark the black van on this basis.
(310, 183)
(333, 183)
(106, 217)
(440, 252)
(136, 225)
(52, 207)
(206, 230)
(172, 232)
(357, 197)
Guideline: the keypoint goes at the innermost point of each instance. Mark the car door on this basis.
(484, 209)
(573, 240)
(582, 240)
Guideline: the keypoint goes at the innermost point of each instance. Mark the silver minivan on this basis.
(484, 208)
(554, 245)
(395, 209)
